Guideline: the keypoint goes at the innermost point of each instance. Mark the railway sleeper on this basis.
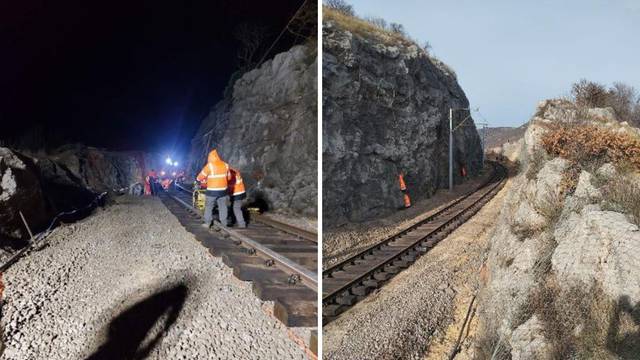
(268, 290)
(332, 310)
(295, 312)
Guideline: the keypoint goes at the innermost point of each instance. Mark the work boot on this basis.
(242, 226)
(205, 225)
(217, 226)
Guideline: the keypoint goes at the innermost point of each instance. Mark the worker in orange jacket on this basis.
(238, 194)
(403, 188)
(152, 178)
(216, 173)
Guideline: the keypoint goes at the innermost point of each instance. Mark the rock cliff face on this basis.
(102, 170)
(385, 111)
(268, 130)
(563, 261)
(20, 190)
(70, 178)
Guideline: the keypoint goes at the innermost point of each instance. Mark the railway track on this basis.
(351, 280)
(279, 259)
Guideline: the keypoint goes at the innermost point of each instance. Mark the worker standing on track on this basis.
(403, 188)
(216, 172)
(238, 194)
(152, 178)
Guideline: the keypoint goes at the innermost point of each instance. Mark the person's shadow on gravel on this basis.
(128, 331)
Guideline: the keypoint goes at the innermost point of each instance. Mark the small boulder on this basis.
(584, 188)
(596, 246)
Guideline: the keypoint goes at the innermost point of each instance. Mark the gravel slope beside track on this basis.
(130, 280)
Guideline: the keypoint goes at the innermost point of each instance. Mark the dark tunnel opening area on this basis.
(258, 201)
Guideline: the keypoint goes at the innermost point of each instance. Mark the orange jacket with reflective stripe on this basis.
(216, 172)
(403, 186)
(236, 185)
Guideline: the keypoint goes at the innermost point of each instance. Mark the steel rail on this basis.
(290, 229)
(431, 217)
(388, 260)
(308, 278)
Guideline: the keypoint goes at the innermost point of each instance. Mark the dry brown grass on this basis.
(622, 194)
(585, 143)
(362, 27)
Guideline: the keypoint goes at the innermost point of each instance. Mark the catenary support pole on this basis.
(450, 149)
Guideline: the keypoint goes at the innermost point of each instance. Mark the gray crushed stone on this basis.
(131, 280)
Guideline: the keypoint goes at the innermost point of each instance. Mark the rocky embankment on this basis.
(385, 107)
(561, 276)
(268, 130)
(68, 178)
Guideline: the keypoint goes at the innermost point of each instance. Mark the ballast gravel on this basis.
(131, 282)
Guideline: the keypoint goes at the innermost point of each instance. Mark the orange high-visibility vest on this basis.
(236, 185)
(403, 186)
(216, 172)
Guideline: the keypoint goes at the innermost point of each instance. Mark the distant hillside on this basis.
(499, 135)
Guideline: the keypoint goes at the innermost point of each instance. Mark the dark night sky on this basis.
(132, 75)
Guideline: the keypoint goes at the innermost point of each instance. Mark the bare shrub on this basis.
(397, 28)
(623, 98)
(589, 94)
(625, 101)
(340, 6)
(426, 46)
(252, 39)
(304, 27)
(377, 22)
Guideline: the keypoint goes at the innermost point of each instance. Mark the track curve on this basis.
(351, 280)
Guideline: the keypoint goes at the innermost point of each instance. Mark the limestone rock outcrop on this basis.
(385, 111)
(268, 130)
(563, 262)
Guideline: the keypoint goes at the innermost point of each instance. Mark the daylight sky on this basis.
(511, 54)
